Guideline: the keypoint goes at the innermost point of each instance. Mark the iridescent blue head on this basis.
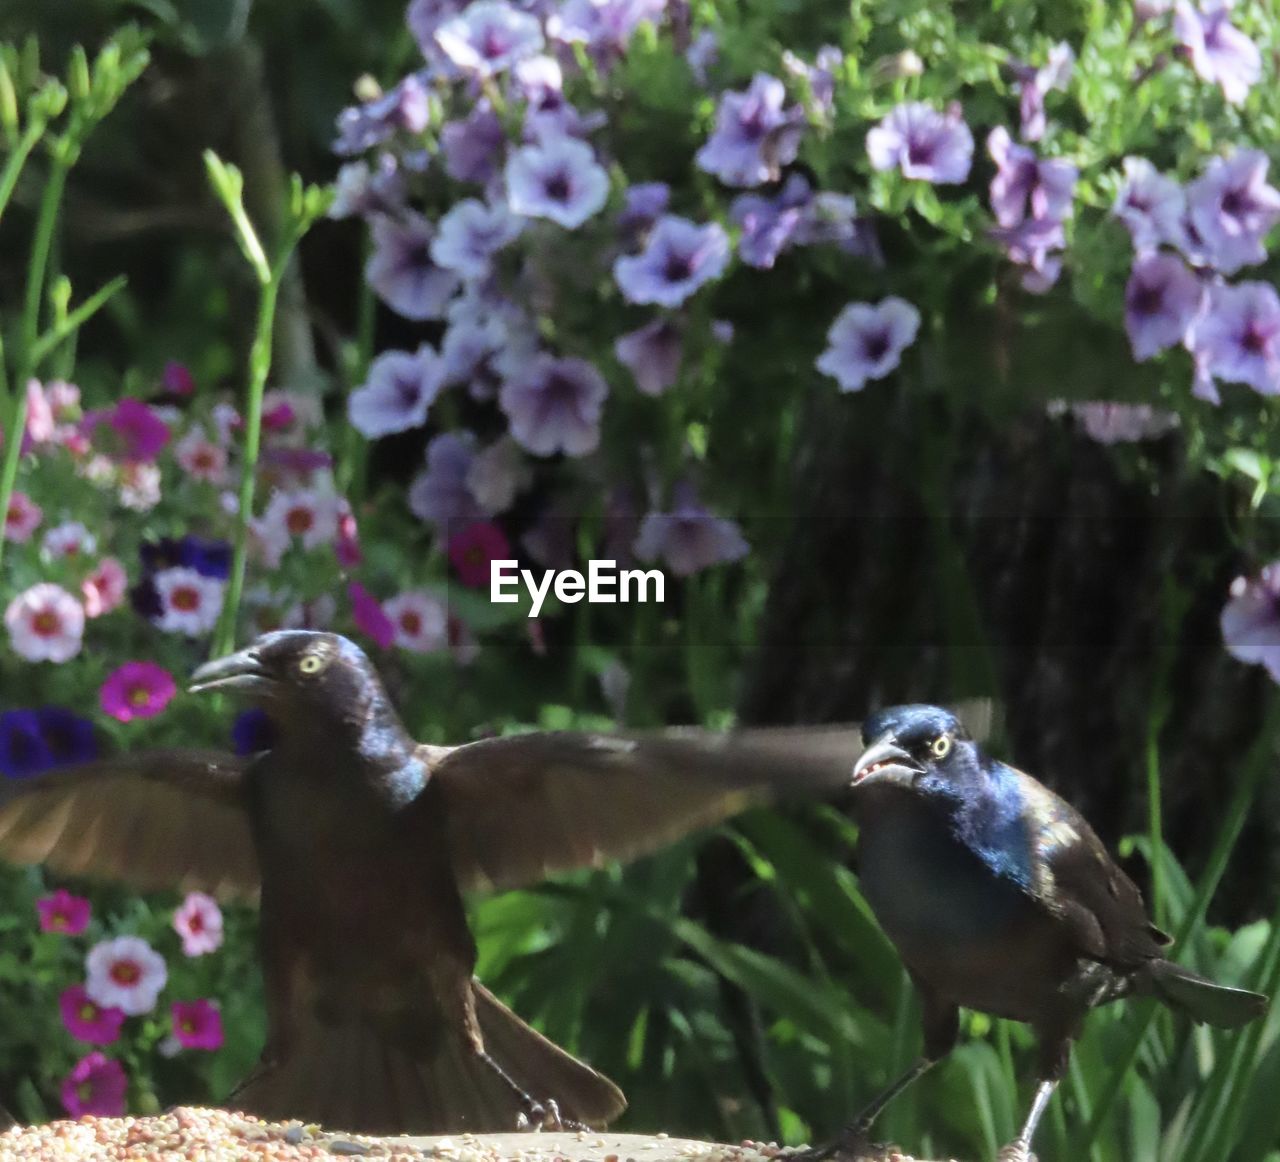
(920, 748)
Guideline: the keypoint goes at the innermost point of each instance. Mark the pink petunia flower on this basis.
(369, 616)
(125, 973)
(45, 623)
(200, 458)
(22, 519)
(141, 431)
(96, 1085)
(197, 1024)
(473, 551)
(63, 912)
(176, 379)
(104, 589)
(198, 920)
(86, 1020)
(137, 690)
(421, 621)
(68, 540)
(189, 601)
(304, 514)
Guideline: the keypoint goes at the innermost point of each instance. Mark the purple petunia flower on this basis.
(754, 135)
(554, 405)
(702, 54)
(1251, 620)
(361, 191)
(558, 179)
(96, 1085)
(1161, 301)
(923, 143)
(137, 690)
(642, 205)
(369, 616)
(867, 341)
(470, 234)
(1150, 205)
(425, 16)
(679, 257)
(821, 77)
(1026, 186)
(604, 26)
(488, 37)
(1219, 52)
(1232, 208)
(498, 474)
(86, 1020)
(401, 272)
(688, 537)
(769, 224)
(472, 147)
(1237, 337)
(64, 913)
(399, 391)
(439, 495)
(67, 737)
(1108, 422)
(407, 108)
(1034, 83)
(197, 1024)
(1034, 243)
(652, 354)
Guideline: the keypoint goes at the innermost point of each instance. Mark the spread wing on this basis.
(521, 807)
(159, 819)
(1077, 880)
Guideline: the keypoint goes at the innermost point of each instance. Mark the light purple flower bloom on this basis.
(439, 495)
(754, 135)
(559, 179)
(688, 537)
(642, 205)
(1025, 185)
(604, 26)
(1108, 422)
(679, 257)
(401, 272)
(485, 338)
(1237, 339)
(652, 354)
(470, 234)
(554, 405)
(1150, 205)
(867, 340)
(1161, 301)
(425, 16)
(405, 108)
(1034, 243)
(821, 76)
(473, 147)
(702, 54)
(498, 474)
(923, 143)
(398, 392)
(1033, 84)
(1220, 53)
(1251, 620)
(488, 37)
(361, 191)
(769, 224)
(1232, 209)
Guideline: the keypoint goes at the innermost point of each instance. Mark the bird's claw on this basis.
(853, 1144)
(1016, 1151)
(538, 1116)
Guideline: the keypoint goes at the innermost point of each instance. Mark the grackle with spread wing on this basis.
(359, 842)
(1000, 897)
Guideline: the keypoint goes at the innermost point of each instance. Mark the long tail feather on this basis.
(1205, 1000)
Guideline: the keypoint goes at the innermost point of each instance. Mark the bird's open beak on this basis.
(241, 671)
(884, 761)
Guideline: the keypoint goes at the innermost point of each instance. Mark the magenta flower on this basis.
(679, 257)
(754, 135)
(421, 621)
(369, 616)
(1219, 52)
(1232, 209)
(473, 551)
(401, 271)
(125, 973)
(86, 1020)
(141, 432)
(198, 920)
(62, 912)
(176, 379)
(867, 340)
(1237, 338)
(923, 143)
(45, 623)
(95, 1086)
(688, 537)
(1251, 620)
(197, 1024)
(104, 588)
(1161, 301)
(652, 354)
(137, 690)
(558, 179)
(554, 405)
(22, 519)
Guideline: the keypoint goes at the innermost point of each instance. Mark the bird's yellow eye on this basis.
(941, 746)
(311, 664)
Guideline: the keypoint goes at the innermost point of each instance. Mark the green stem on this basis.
(1258, 765)
(17, 159)
(75, 320)
(259, 367)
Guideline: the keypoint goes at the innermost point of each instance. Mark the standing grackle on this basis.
(1000, 897)
(360, 841)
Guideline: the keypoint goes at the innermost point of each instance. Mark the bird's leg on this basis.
(534, 1114)
(1019, 1150)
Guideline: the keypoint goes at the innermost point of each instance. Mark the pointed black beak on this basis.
(884, 761)
(242, 672)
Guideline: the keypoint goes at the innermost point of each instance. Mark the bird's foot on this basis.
(1019, 1150)
(853, 1144)
(546, 1115)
